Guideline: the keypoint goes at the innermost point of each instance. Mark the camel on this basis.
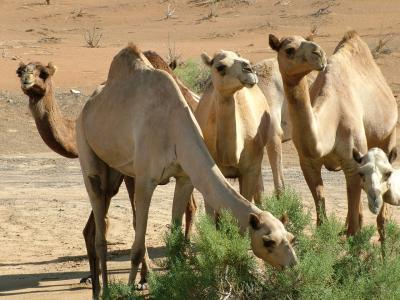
(350, 105)
(379, 180)
(140, 125)
(235, 119)
(59, 133)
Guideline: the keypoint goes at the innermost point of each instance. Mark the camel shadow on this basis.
(44, 282)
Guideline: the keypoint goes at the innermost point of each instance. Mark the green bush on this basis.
(118, 290)
(194, 75)
(218, 263)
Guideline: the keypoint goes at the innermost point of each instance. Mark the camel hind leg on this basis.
(144, 188)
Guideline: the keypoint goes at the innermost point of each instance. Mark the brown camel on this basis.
(59, 133)
(158, 137)
(235, 119)
(349, 106)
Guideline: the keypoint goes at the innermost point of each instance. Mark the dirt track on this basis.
(43, 203)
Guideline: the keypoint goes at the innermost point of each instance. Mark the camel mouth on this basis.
(374, 206)
(27, 85)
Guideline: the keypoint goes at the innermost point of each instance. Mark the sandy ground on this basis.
(43, 203)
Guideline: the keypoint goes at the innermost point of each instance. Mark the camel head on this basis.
(297, 56)
(229, 71)
(375, 170)
(35, 78)
(270, 241)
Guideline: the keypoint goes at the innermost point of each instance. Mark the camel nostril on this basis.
(318, 53)
(247, 70)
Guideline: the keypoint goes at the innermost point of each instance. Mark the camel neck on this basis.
(58, 133)
(302, 116)
(196, 161)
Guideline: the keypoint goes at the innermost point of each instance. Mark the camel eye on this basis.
(221, 69)
(290, 51)
(44, 74)
(387, 175)
(269, 243)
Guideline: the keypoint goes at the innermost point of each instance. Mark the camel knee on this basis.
(137, 255)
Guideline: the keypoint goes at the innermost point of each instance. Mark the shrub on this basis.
(219, 265)
(118, 290)
(194, 75)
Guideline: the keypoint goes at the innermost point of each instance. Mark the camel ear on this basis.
(254, 221)
(51, 68)
(284, 219)
(20, 68)
(274, 42)
(392, 155)
(173, 64)
(357, 156)
(207, 60)
(310, 38)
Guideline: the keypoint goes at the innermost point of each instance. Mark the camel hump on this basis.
(351, 40)
(127, 61)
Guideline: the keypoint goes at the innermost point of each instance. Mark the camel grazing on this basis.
(141, 126)
(59, 133)
(349, 106)
(235, 119)
(379, 180)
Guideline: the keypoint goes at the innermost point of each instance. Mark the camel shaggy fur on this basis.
(350, 105)
(140, 125)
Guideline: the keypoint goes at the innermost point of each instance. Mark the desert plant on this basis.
(194, 75)
(118, 290)
(92, 37)
(382, 47)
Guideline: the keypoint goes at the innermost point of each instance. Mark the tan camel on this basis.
(379, 180)
(141, 126)
(349, 106)
(59, 133)
(235, 119)
(270, 83)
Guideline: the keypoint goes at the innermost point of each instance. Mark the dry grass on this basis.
(173, 58)
(213, 2)
(92, 37)
(382, 47)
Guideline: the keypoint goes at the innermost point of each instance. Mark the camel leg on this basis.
(89, 235)
(381, 221)
(312, 175)
(130, 187)
(259, 190)
(247, 184)
(274, 151)
(353, 185)
(144, 189)
(182, 196)
(190, 213)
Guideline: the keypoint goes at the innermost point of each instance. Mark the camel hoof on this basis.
(141, 286)
(86, 280)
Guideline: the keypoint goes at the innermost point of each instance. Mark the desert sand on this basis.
(43, 202)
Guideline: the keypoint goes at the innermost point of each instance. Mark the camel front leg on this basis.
(381, 221)
(144, 189)
(312, 175)
(274, 151)
(182, 196)
(259, 190)
(248, 183)
(354, 213)
(190, 214)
